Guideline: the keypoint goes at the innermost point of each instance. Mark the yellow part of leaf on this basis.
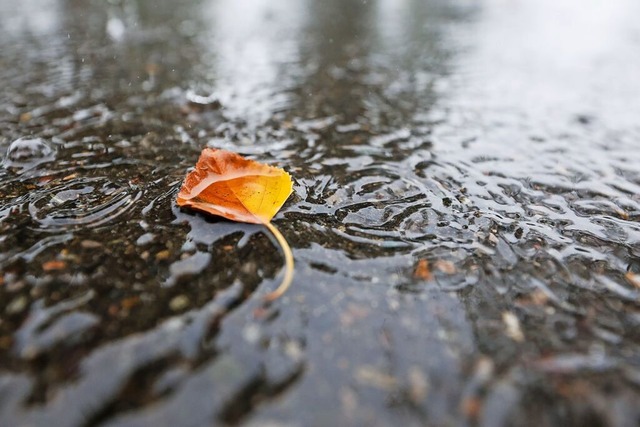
(261, 195)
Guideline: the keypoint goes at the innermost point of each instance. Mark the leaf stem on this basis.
(288, 257)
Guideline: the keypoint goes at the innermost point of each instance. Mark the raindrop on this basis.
(25, 154)
(115, 29)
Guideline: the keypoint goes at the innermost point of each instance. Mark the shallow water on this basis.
(465, 216)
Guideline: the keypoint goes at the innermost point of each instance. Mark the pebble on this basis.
(90, 244)
(17, 305)
(512, 325)
(371, 376)
(179, 303)
(145, 239)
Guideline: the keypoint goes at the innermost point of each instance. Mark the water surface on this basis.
(464, 217)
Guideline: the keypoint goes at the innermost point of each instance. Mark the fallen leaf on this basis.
(53, 265)
(445, 266)
(422, 270)
(633, 278)
(226, 184)
(622, 214)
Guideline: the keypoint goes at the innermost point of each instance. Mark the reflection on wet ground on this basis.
(464, 218)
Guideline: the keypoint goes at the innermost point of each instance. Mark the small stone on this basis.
(179, 303)
(492, 239)
(371, 376)
(349, 400)
(129, 303)
(471, 407)
(512, 325)
(163, 255)
(90, 244)
(418, 385)
(293, 350)
(192, 264)
(17, 305)
(113, 310)
(5, 342)
(149, 140)
(145, 239)
(539, 297)
(251, 333)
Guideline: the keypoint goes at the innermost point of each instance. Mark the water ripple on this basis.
(81, 202)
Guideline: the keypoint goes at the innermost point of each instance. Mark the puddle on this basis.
(464, 216)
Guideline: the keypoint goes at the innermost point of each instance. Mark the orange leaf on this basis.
(228, 185)
(53, 265)
(422, 270)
